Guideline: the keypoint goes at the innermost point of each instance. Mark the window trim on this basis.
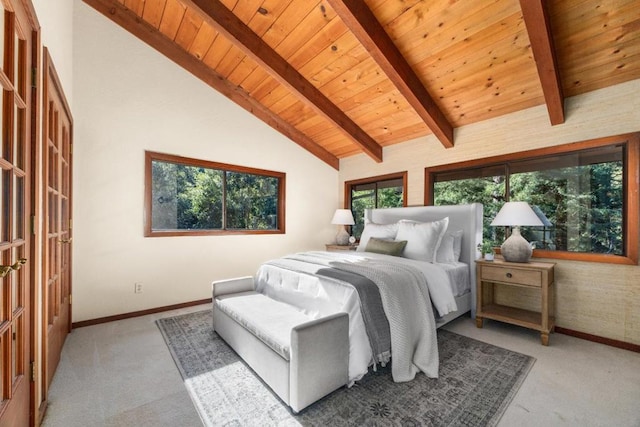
(372, 179)
(630, 188)
(150, 156)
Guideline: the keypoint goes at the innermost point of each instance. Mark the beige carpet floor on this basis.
(121, 374)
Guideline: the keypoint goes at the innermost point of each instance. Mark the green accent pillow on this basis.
(387, 247)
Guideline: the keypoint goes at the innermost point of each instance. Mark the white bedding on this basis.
(441, 289)
(319, 296)
(458, 273)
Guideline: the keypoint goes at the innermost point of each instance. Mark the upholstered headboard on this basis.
(461, 217)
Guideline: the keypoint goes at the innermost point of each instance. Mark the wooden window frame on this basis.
(372, 179)
(150, 156)
(631, 186)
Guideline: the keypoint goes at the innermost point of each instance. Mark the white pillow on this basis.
(423, 238)
(381, 231)
(450, 247)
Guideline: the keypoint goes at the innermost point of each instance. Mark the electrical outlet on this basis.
(137, 288)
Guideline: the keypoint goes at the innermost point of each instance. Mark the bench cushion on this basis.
(269, 320)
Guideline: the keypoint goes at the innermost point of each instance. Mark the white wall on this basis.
(599, 299)
(56, 22)
(127, 99)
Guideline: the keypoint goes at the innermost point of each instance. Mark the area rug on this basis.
(476, 384)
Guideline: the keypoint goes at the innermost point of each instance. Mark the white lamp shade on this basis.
(343, 217)
(515, 214)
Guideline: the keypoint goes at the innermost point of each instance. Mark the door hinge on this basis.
(33, 371)
(70, 224)
(70, 299)
(33, 225)
(34, 77)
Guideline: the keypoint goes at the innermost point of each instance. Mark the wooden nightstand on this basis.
(533, 275)
(335, 248)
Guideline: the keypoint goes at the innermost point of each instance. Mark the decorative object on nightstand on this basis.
(486, 249)
(516, 214)
(536, 276)
(342, 217)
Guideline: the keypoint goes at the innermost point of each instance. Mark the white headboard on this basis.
(461, 217)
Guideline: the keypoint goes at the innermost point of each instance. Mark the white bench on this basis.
(300, 358)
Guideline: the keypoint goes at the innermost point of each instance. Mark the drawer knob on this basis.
(509, 275)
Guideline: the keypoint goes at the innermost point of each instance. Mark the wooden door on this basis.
(57, 135)
(15, 187)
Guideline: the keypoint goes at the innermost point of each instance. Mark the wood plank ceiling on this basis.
(343, 77)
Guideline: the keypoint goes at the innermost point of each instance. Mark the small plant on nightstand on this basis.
(486, 248)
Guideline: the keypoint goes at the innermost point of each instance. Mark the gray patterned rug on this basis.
(476, 384)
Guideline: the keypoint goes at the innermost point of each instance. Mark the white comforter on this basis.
(412, 326)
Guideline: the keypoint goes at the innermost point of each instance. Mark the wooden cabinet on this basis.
(535, 276)
(334, 248)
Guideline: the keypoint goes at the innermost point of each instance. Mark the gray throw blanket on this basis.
(407, 305)
(405, 297)
(375, 321)
(373, 316)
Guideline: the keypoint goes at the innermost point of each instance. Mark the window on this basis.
(586, 194)
(388, 191)
(195, 197)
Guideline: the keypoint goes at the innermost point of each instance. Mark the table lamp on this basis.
(516, 214)
(342, 217)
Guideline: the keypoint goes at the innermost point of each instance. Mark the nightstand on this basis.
(537, 276)
(335, 248)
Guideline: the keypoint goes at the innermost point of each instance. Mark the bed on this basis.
(322, 283)
(467, 218)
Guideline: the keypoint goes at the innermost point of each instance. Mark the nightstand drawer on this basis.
(512, 275)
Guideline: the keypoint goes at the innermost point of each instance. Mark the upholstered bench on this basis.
(300, 358)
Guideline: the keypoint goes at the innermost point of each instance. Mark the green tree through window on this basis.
(378, 192)
(580, 195)
(488, 190)
(189, 195)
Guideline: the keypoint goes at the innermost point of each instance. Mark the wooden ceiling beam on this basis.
(365, 26)
(536, 19)
(128, 20)
(225, 22)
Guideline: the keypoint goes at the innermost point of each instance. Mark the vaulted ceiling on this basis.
(343, 77)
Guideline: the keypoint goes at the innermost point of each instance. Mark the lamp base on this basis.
(342, 238)
(516, 248)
